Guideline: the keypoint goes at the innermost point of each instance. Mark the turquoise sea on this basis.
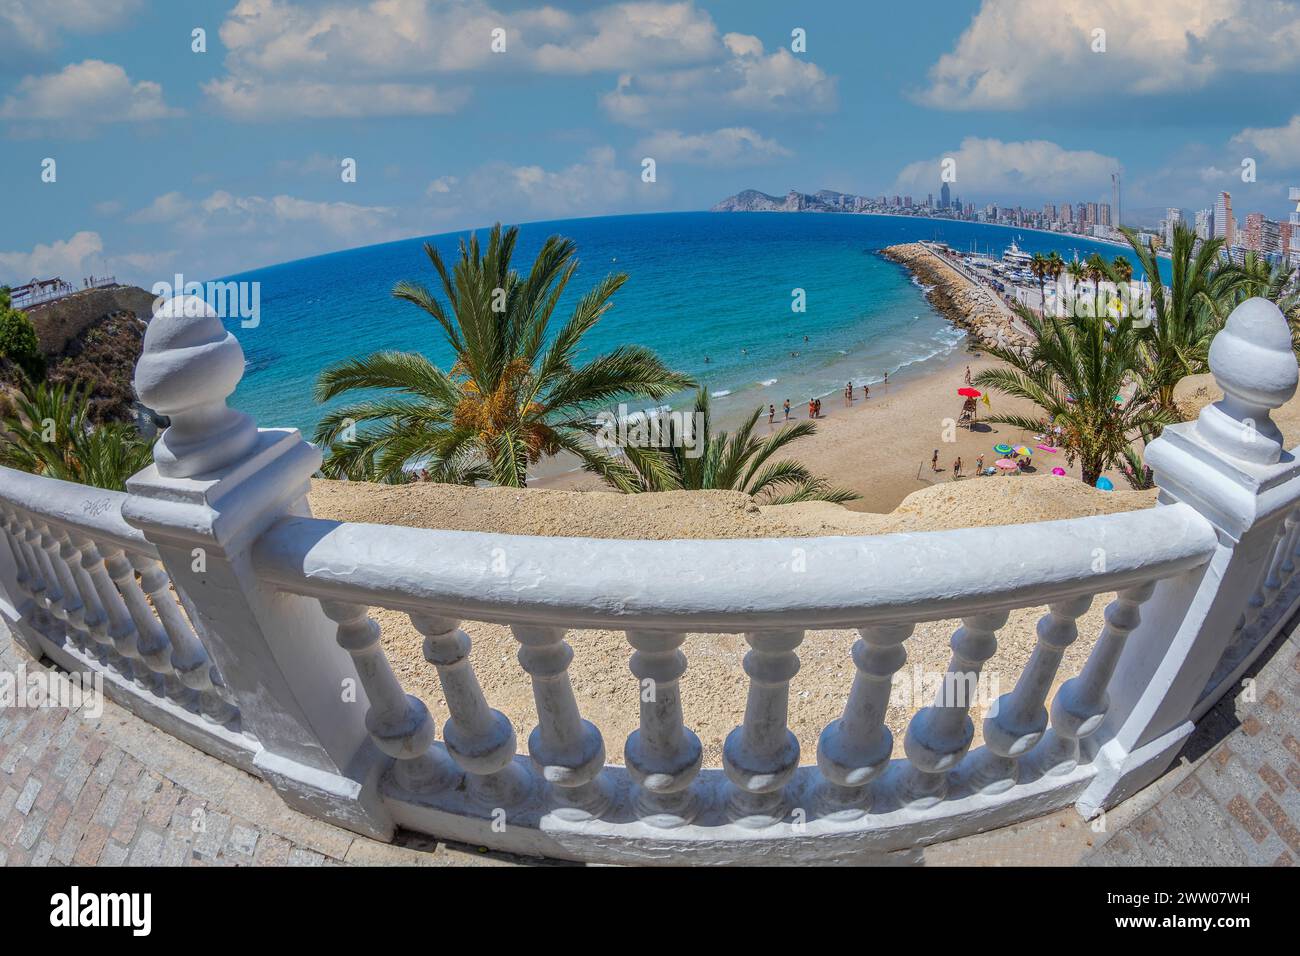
(702, 286)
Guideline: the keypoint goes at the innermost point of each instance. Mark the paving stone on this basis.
(148, 849)
(300, 856)
(27, 798)
(114, 854)
(243, 840)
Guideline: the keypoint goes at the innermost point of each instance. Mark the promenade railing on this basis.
(215, 606)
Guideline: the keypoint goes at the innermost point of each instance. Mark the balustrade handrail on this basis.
(730, 585)
(96, 512)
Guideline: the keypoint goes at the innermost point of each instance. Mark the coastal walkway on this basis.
(1011, 318)
(114, 790)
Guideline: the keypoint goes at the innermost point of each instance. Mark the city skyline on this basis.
(232, 157)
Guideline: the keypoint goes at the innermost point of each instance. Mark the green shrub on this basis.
(18, 341)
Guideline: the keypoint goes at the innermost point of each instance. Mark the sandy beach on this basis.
(881, 447)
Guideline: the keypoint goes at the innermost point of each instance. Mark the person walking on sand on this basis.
(956, 468)
(771, 414)
(787, 409)
(967, 374)
(979, 465)
(866, 391)
(886, 376)
(934, 461)
(812, 408)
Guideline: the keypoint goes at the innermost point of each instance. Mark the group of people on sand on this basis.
(815, 404)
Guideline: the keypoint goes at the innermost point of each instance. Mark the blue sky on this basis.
(209, 163)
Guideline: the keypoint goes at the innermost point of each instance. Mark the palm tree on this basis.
(1122, 269)
(516, 391)
(1073, 371)
(1177, 342)
(50, 434)
(737, 461)
(1039, 269)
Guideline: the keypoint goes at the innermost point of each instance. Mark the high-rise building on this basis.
(1103, 214)
(1224, 226)
(1115, 198)
(1295, 226)
(1253, 234)
(1067, 213)
(1174, 217)
(945, 196)
(1049, 212)
(1204, 223)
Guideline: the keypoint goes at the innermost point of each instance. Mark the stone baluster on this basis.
(49, 592)
(1017, 721)
(481, 740)
(1276, 578)
(1288, 568)
(761, 755)
(25, 575)
(120, 632)
(568, 750)
(854, 749)
(1258, 599)
(938, 736)
(188, 658)
(399, 724)
(66, 602)
(1081, 703)
(151, 646)
(39, 583)
(662, 756)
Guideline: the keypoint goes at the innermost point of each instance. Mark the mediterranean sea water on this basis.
(712, 293)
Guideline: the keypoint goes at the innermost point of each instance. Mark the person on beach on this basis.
(848, 393)
(934, 461)
(956, 468)
(866, 391)
(886, 376)
(771, 414)
(979, 465)
(812, 408)
(967, 374)
(787, 409)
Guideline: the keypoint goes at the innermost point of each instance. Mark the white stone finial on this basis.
(1253, 363)
(189, 366)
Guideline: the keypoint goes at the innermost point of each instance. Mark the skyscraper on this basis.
(945, 196)
(1204, 223)
(1295, 225)
(1224, 226)
(1174, 217)
(1115, 198)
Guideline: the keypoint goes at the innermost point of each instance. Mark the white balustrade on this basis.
(1017, 721)
(938, 736)
(569, 751)
(1081, 703)
(761, 755)
(399, 724)
(855, 749)
(663, 756)
(481, 740)
(264, 651)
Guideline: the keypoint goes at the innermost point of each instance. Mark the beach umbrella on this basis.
(1049, 449)
(1006, 464)
(969, 392)
(1003, 449)
(1059, 472)
(1105, 484)
(1023, 450)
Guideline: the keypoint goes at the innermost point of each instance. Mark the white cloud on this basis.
(76, 257)
(748, 82)
(730, 146)
(284, 59)
(1017, 53)
(1279, 144)
(253, 100)
(630, 36)
(37, 24)
(990, 167)
(594, 185)
(88, 92)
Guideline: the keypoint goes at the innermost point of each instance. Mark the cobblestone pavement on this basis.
(1233, 797)
(113, 790)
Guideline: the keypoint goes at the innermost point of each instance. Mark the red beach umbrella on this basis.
(969, 392)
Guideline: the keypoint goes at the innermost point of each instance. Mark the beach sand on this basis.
(881, 447)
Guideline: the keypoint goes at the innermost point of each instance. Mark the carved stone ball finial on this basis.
(189, 366)
(1254, 364)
